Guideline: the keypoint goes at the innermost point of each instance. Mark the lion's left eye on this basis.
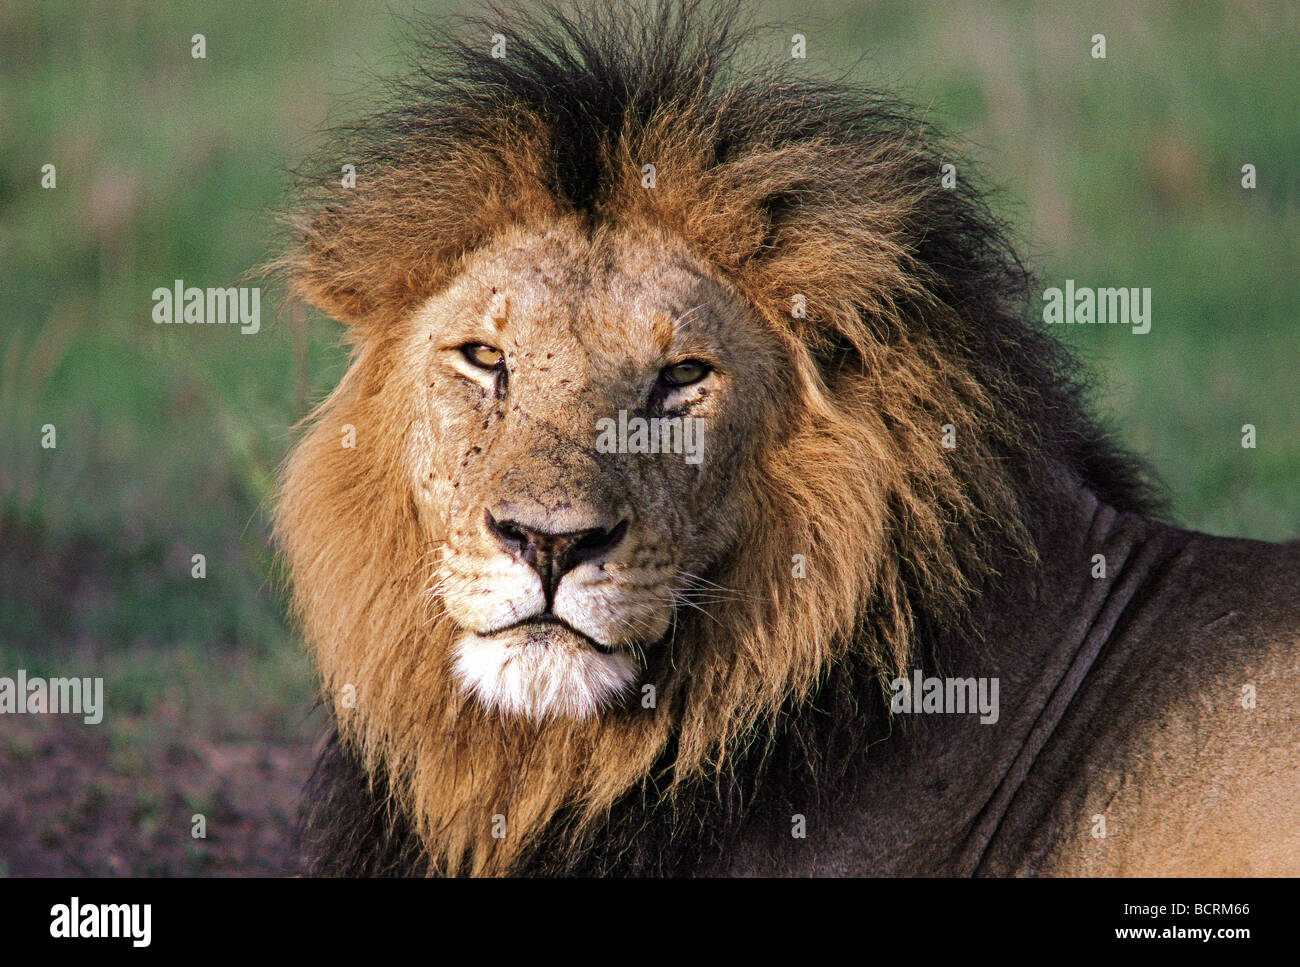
(484, 357)
(685, 373)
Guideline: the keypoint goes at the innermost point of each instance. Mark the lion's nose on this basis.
(553, 555)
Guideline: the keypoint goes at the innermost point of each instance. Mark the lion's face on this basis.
(585, 411)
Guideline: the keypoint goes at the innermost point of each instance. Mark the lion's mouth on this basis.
(549, 620)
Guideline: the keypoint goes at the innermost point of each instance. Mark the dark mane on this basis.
(593, 71)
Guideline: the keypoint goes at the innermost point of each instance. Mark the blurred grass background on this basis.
(1123, 171)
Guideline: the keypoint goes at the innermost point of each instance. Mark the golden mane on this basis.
(786, 188)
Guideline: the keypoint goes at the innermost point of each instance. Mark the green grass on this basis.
(1115, 172)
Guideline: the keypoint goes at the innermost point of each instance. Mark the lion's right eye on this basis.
(484, 357)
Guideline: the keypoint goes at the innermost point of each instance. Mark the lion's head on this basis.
(554, 264)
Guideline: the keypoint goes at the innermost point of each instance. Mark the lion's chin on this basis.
(542, 672)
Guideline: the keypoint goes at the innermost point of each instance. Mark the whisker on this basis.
(679, 600)
(710, 585)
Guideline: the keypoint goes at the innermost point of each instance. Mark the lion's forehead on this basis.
(608, 298)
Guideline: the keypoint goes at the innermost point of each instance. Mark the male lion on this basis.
(691, 421)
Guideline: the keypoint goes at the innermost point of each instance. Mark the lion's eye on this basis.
(685, 373)
(484, 357)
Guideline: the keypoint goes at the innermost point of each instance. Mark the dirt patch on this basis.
(79, 800)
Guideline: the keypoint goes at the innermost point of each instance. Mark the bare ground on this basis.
(85, 801)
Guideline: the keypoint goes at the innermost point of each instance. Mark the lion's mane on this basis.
(787, 186)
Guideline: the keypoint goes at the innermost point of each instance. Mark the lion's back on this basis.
(1180, 754)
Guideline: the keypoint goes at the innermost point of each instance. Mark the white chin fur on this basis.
(539, 680)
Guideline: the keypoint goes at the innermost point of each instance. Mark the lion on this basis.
(699, 499)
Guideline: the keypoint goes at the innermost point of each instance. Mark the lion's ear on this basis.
(330, 273)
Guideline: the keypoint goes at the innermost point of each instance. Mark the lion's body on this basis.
(542, 654)
(1121, 698)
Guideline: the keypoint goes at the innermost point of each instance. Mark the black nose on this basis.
(553, 555)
